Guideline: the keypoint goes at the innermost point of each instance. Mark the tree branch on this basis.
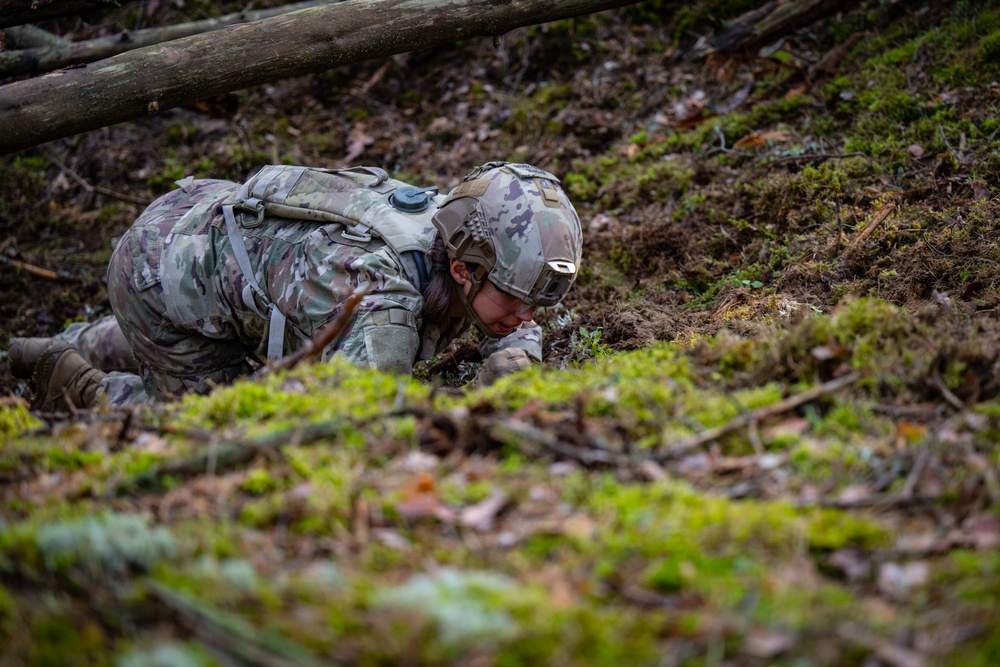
(149, 80)
(55, 55)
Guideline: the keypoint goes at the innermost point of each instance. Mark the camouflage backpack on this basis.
(364, 200)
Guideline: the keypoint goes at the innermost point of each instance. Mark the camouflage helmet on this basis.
(517, 228)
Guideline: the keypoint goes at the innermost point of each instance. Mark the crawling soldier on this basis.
(216, 276)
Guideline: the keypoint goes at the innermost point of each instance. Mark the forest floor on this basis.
(767, 429)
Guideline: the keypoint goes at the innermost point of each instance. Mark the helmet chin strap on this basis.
(467, 300)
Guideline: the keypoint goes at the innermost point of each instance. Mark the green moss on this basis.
(830, 529)
(688, 21)
(335, 389)
(989, 47)
(357, 114)
(451, 611)
(532, 116)
(15, 420)
(259, 482)
(637, 383)
(972, 576)
(71, 459)
(579, 187)
(262, 512)
(674, 519)
(63, 640)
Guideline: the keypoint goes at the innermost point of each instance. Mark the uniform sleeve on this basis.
(383, 334)
(386, 340)
(528, 337)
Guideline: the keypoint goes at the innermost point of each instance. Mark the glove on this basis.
(501, 363)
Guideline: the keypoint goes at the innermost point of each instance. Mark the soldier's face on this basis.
(499, 311)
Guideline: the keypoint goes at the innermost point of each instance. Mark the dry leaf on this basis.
(481, 516)
(420, 500)
(580, 526)
(897, 580)
(793, 426)
(359, 141)
(854, 492)
(853, 564)
(754, 139)
(980, 189)
(767, 644)
(910, 431)
(750, 141)
(982, 532)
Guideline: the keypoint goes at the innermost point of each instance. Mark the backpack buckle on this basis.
(358, 232)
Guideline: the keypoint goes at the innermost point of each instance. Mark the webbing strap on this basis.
(399, 316)
(252, 292)
(282, 193)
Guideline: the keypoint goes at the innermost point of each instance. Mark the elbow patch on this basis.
(392, 347)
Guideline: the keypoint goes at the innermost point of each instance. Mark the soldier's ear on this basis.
(460, 272)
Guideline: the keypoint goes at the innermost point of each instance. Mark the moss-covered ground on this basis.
(767, 430)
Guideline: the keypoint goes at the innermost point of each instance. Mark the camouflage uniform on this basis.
(181, 299)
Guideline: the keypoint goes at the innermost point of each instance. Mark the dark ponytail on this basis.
(438, 290)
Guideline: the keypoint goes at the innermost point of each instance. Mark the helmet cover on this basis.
(518, 229)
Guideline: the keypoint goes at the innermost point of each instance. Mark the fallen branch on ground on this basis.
(239, 641)
(873, 224)
(34, 270)
(218, 457)
(96, 188)
(745, 419)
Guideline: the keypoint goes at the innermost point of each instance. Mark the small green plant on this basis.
(586, 344)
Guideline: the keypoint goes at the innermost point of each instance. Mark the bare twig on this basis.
(757, 415)
(226, 456)
(876, 220)
(526, 433)
(238, 640)
(953, 400)
(889, 501)
(814, 156)
(328, 334)
(33, 270)
(958, 158)
(95, 188)
(915, 472)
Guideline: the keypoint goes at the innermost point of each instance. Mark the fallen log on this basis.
(152, 79)
(58, 54)
(30, 37)
(774, 20)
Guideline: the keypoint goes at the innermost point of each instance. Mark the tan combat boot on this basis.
(64, 380)
(23, 354)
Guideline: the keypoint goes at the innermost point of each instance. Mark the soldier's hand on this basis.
(501, 363)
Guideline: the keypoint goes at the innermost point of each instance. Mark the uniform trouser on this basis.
(147, 355)
(171, 357)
